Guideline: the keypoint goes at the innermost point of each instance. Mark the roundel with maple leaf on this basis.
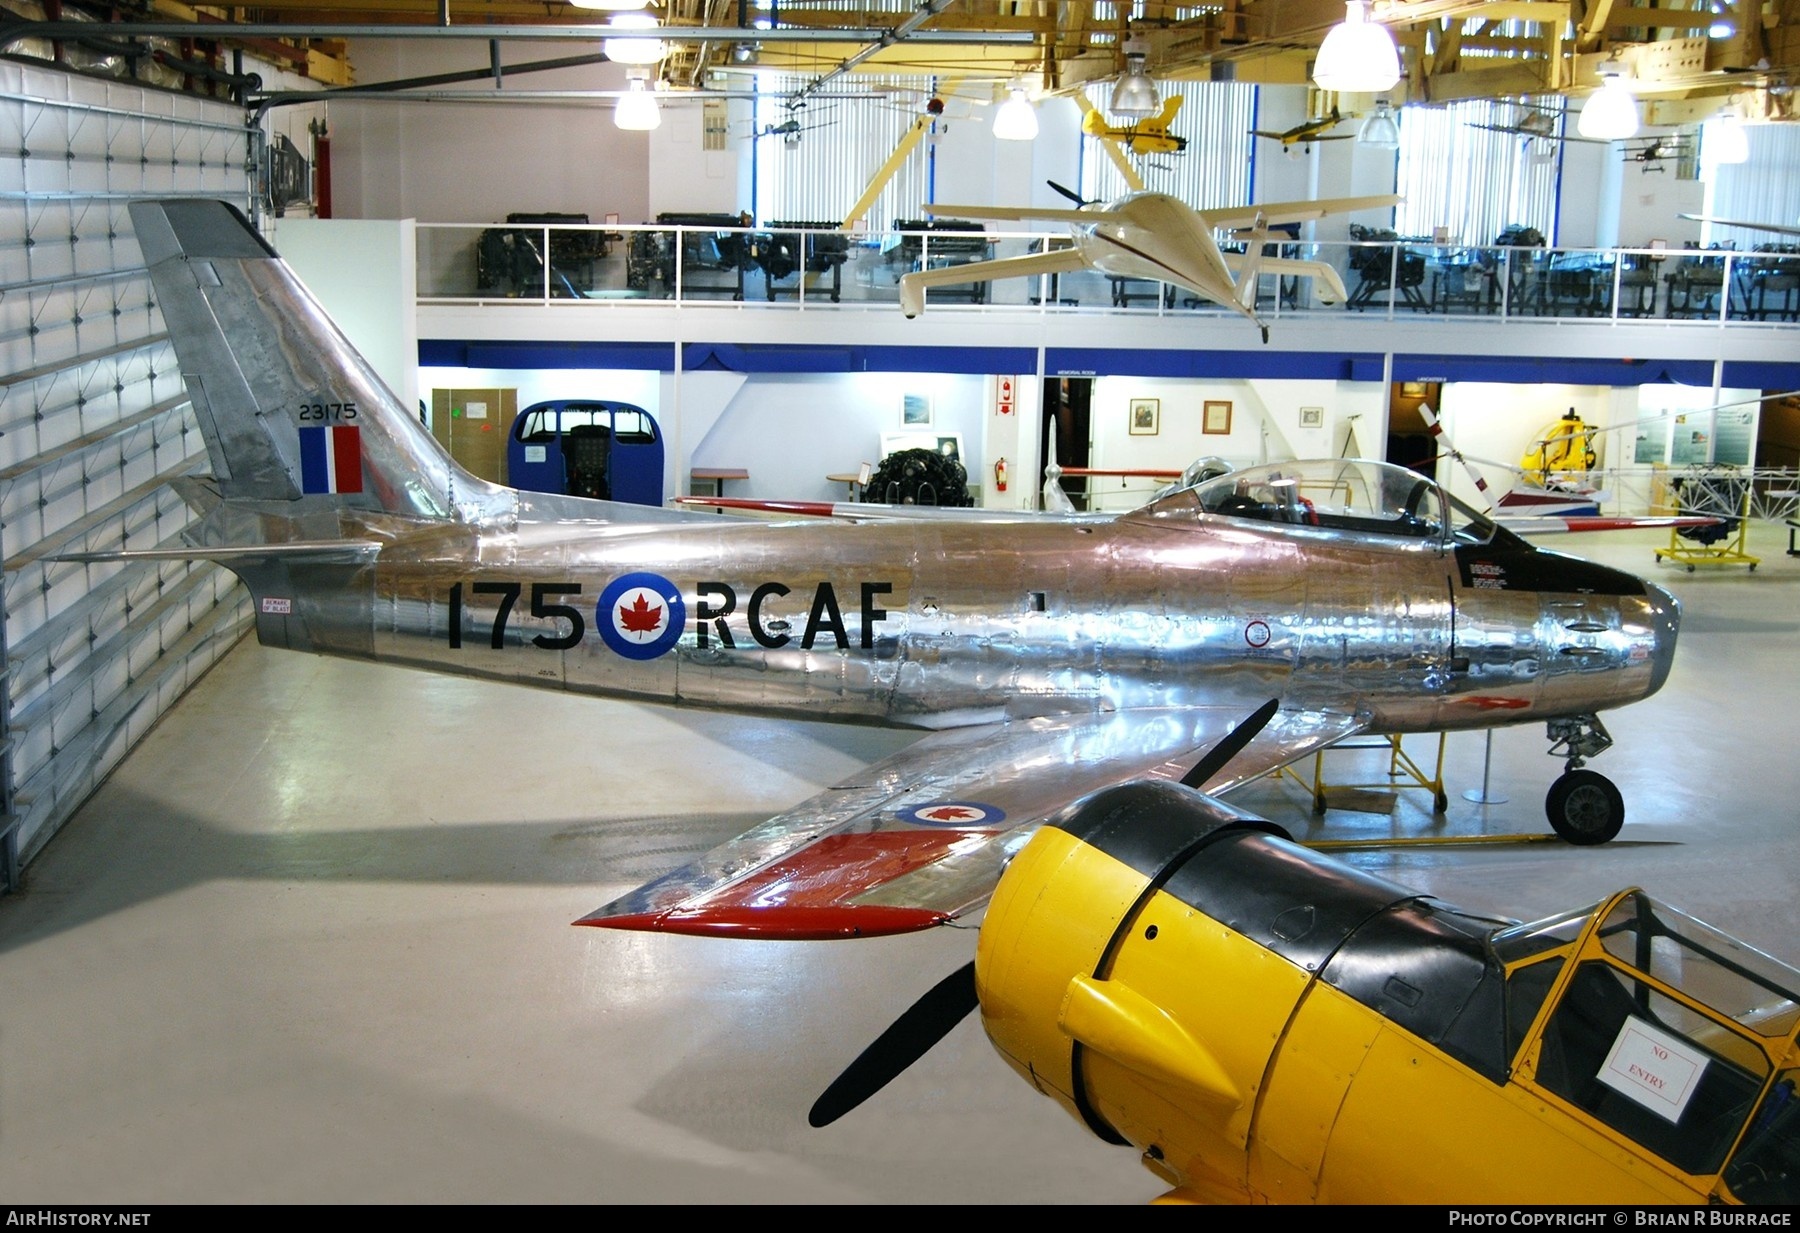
(641, 616)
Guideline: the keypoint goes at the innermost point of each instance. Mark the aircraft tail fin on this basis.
(289, 409)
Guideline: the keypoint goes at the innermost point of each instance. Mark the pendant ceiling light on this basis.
(1358, 56)
(1380, 130)
(1135, 95)
(1017, 118)
(637, 108)
(633, 51)
(1610, 113)
(611, 6)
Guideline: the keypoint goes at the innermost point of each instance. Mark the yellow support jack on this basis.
(1401, 766)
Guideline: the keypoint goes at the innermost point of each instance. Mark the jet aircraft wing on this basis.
(1014, 214)
(1276, 213)
(922, 837)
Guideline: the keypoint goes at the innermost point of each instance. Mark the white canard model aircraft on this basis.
(1157, 237)
(1041, 659)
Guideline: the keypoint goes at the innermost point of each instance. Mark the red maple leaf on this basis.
(639, 618)
(949, 813)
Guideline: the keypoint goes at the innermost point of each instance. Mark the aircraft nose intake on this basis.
(1665, 622)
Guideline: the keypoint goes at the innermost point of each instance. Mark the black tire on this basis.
(1585, 808)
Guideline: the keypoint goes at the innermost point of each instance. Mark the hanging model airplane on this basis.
(1308, 131)
(1652, 151)
(1043, 659)
(1268, 1025)
(1154, 236)
(1149, 136)
(1538, 124)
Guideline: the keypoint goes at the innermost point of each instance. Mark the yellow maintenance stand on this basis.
(1725, 495)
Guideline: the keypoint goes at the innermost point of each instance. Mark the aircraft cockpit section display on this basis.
(1358, 495)
(1666, 1032)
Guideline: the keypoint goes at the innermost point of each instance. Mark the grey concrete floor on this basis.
(311, 941)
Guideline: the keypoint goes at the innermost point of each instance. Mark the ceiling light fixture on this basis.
(637, 109)
(1381, 129)
(1135, 95)
(1358, 56)
(633, 50)
(1610, 113)
(611, 6)
(1017, 118)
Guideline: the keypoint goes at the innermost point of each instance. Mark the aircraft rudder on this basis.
(288, 407)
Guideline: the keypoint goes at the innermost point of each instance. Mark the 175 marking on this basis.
(509, 598)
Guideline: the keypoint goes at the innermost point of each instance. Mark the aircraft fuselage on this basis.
(932, 625)
(1155, 236)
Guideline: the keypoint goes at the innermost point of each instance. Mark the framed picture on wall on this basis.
(1312, 417)
(915, 410)
(1145, 417)
(1215, 417)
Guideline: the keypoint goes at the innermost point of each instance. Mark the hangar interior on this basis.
(272, 936)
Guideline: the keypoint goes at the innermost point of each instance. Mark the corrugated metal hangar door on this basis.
(93, 424)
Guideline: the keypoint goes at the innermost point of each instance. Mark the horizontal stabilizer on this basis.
(227, 554)
(1328, 284)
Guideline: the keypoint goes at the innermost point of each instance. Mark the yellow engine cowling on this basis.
(1269, 1025)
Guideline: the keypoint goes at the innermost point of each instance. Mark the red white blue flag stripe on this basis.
(331, 459)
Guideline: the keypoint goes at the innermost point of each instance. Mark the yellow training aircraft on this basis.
(1309, 131)
(1267, 1025)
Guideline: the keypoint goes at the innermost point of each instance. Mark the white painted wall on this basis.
(1265, 422)
(687, 178)
(792, 430)
(362, 272)
(478, 162)
(1651, 202)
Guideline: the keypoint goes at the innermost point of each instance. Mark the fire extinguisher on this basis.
(1000, 476)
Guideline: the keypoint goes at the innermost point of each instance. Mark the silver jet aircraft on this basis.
(1042, 658)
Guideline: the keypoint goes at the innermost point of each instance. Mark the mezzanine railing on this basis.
(816, 266)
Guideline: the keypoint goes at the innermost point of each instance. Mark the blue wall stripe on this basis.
(1102, 362)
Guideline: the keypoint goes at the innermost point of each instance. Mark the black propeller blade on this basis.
(949, 1002)
(1070, 193)
(925, 1022)
(1233, 744)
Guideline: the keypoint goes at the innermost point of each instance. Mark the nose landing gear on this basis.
(1583, 806)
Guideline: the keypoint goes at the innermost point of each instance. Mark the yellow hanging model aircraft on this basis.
(1157, 237)
(1308, 131)
(1148, 136)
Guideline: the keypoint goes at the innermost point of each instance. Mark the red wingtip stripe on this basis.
(789, 924)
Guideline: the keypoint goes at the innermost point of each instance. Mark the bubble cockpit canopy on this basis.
(1345, 494)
